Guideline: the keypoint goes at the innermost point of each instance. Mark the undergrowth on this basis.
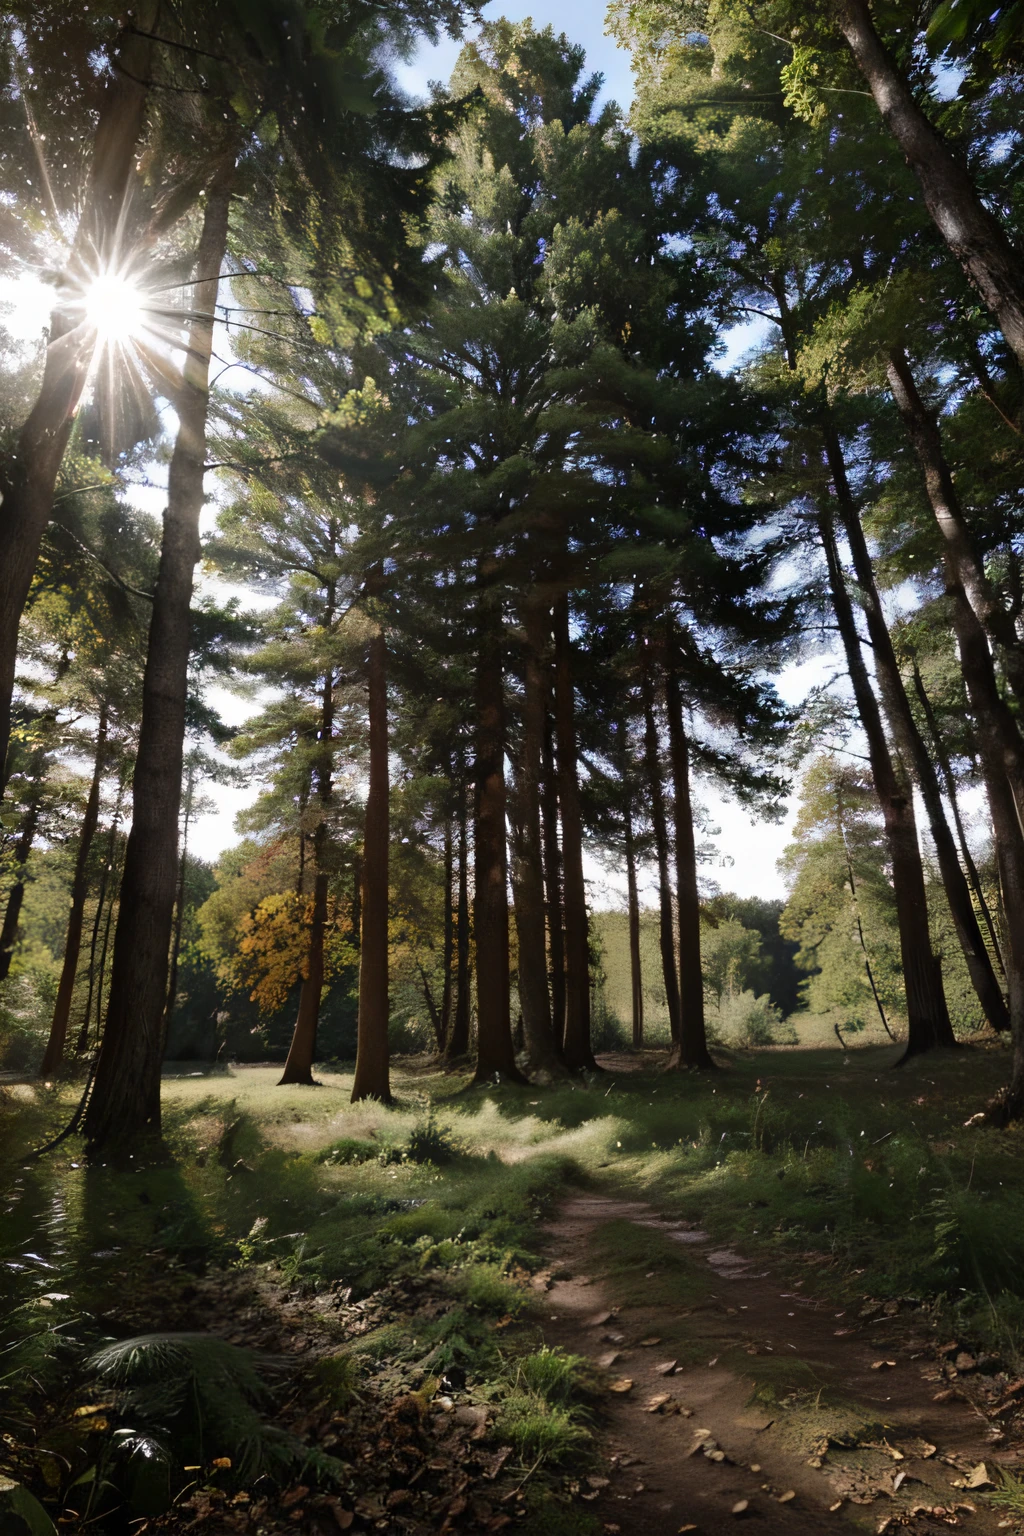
(865, 1178)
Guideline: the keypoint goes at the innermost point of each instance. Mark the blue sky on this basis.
(582, 21)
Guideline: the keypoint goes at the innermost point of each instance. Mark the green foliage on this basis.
(200, 1398)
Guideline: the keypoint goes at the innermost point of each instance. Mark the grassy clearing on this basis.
(864, 1178)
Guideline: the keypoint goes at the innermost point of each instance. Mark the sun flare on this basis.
(114, 307)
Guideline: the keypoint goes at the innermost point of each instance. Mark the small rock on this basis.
(741, 1506)
(623, 1384)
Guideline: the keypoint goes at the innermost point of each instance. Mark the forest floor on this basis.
(790, 1292)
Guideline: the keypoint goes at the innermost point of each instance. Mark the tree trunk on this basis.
(999, 742)
(28, 475)
(458, 1039)
(82, 1043)
(652, 763)
(298, 1067)
(527, 863)
(125, 1101)
(554, 909)
(923, 430)
(911, 744)
(633, 901)
(692, 1052)
(179, 902)
(372, 1079)
(54, 1053)
(449, 934)
(495, 1048)
(927, 1016)
(973, 234)
(577, 1050)
(16, 895)
(949, 779)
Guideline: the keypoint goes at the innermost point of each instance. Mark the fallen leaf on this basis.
(293, 1495)
(225, 1461)
(608, 1359)
(741, 1506)
(882, 1365)
(658, 1402)
(979, 1477)
(598, 1320)
(666, 1367)
(788, 1496)
(623, 1384)
(646, 1343)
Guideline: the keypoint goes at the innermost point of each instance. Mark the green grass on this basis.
(862, 1178)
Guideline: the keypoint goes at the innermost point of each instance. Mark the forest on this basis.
(426, 1153)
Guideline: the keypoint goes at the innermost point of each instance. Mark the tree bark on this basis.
(554, 910)
(495, 1048)
(999, 742)
(692, 1052)
(527, 862)
(949, 779)
(372, 1078)
(448, 951)
(633, 904)
(652, 763)
(54, 1054)
(82, 1043)
(911, 744)
(16, 895)
(576, 1047)
(973, 234)
(125, 1100)
(458, 1039)
(179, 902)
(923, 430)
(927, 1016)
(28, 475)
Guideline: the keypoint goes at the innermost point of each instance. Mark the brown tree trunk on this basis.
(29, 474)
(911, 744)
(54, 1053)
(458, 1039)
(527, 862)
(923, 430)
(495, 1048)
(999, 742)
(179, 902)
(82, 1043)
(927, 1016)
(298, 1067)
(16, 895)
(125, 1100)
(554, 910)
(949, 779)
(633, 903)
(652, 763)
(449, 934)
(692, 1052)
(577, 1050)
(973, 234)
(372, 1079)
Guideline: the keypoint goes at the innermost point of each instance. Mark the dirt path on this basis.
(822, 1456)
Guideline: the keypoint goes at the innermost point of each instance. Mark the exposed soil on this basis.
(819, 1457)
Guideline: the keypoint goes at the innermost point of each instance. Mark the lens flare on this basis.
(114, 309)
